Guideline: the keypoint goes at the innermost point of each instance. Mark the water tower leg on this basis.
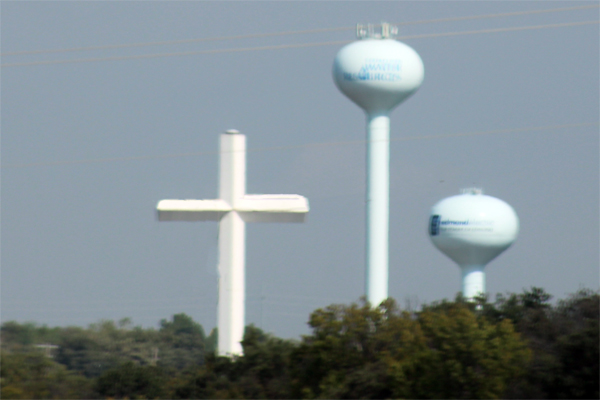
(473, 281)
(377, 218)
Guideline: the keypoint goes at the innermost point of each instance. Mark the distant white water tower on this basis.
(473, 229)
(377, 73)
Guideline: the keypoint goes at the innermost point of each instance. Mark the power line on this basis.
(496, 30)
(122, 308)
(178, 54)
(199, 302)
(292, 46)
(507, 14)
(104, 302)
(172, 42)
(303, 146)
(289, 33)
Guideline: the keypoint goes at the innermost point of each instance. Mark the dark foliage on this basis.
(263, 371)
(131, 381)
(519, 346)
(564, 340)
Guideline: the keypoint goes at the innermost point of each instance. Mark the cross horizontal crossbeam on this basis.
(251, 207)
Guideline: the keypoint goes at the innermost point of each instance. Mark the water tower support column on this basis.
(377, 73)
(378, 207)
(473, 281)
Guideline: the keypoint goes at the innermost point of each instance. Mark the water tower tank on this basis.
(473, 229)
(378, 73)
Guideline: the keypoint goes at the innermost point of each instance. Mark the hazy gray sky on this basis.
(81, 241)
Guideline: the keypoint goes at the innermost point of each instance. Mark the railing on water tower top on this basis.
(381, 31)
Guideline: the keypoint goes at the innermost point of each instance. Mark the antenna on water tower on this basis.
(377, 73)
(472, 229)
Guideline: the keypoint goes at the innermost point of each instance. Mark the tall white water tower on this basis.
(472, 229)
(377, 73)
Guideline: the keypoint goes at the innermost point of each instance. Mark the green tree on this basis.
(129, 380)
(181, 342)
(35, 376)
(446, 351)
(18, 334)
(468, 357)
(264, 368)
(213, 380)
(23, 337)
(519, 346)
(262, 371)
(357, 351)
(211, 342)
(577, 347)
(177, 345)
(563, 339)
(79, 351)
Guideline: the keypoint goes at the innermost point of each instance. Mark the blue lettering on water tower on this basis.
(434, 225)
(376, 69)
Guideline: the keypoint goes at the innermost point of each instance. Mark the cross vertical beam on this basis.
(232, 245)
(232, 172)
(232, 278)
(233, 209)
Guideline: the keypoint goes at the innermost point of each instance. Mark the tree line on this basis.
(518, 346)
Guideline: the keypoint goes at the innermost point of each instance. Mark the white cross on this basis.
(233, 208)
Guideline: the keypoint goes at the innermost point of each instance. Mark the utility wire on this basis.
(292, 46)
(195, 302)
(507, 14)
(104, 302)
(303, 146)
(178, 54)
(289, 33)
(114, 308)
